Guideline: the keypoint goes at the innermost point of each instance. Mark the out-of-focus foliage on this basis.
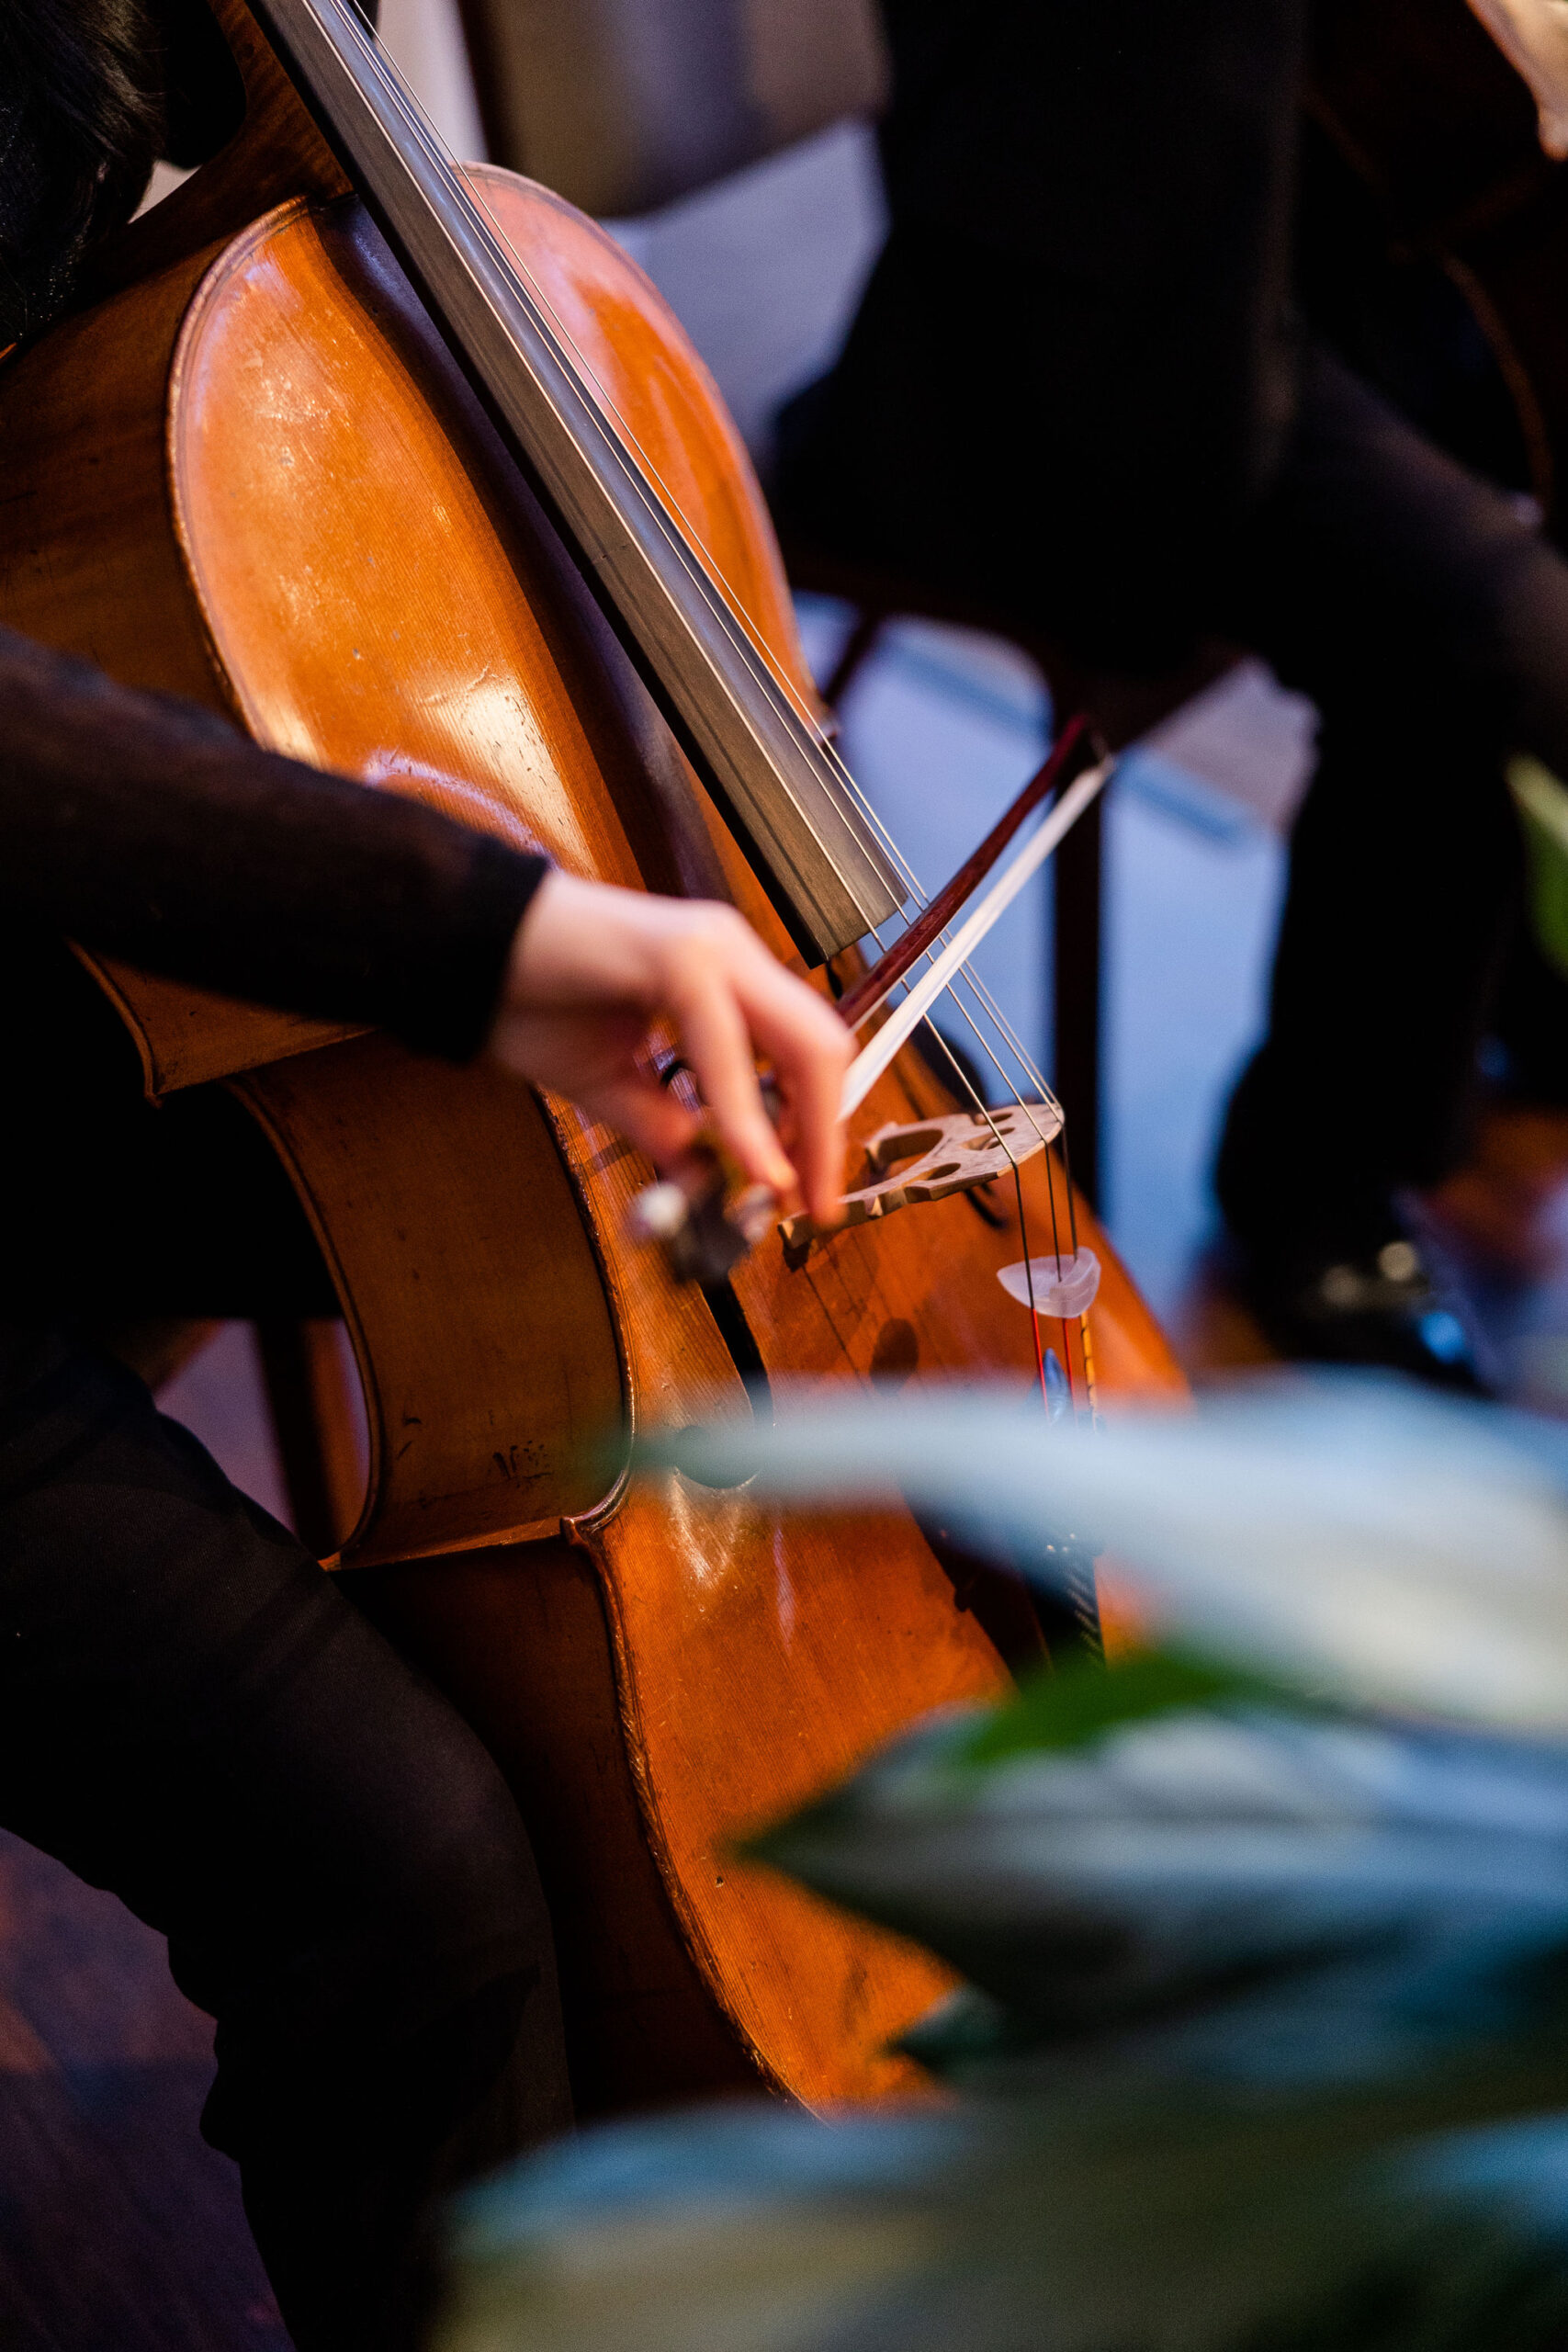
(1403, 1549)
(1123, 2220)
(1265, 2048)
(1236, 1891)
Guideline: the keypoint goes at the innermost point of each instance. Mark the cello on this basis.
(412, 475)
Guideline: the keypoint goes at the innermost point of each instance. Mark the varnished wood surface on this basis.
(488, 1358)
(652, 384)
(87, 560)
(358, 576)
(89, 563)
(103, 2067)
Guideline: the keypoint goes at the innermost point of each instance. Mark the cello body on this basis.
(247, 471)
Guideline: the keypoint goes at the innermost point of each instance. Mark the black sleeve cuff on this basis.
(147, 829)
(450, 1001)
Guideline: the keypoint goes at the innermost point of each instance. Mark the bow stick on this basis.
(1068, 753)
(689, 1214)
(873, 1058)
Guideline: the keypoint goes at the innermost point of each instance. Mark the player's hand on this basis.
(1533, 37)
(593, 968)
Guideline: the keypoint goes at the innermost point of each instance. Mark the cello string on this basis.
(430, 138)
(1060, 1136)
(609, 458)
(418, 121)
(415, 116)
(689, 562)
(685, 541)
(971, 978)
(1045, 1142)
(983, 996)
(964, 1083)
(980, 1109)
(976, 926)
(971, 981)
(1017, 1167)
(1091, 1385)
(991, 1054)
(1034, 1076)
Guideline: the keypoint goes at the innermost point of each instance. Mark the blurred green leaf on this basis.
(1126, 2221)
(1273, 1892)
(1278, 1997)
(1542, 802)
(1069, 1707)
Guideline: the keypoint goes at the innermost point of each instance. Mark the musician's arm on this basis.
(1533, 37)
(149, 830)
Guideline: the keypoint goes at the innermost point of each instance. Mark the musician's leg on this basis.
(192, 1714)
(131, 1211)
(1430, 624)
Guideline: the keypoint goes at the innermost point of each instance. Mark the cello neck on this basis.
(763, 758)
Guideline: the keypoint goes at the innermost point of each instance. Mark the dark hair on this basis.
(80, 123)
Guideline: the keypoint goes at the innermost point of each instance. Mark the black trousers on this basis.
(1429, 624)
(192, 1713)
(1407, 598)
(1073, 399)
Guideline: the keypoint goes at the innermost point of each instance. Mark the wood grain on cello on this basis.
(252, 471)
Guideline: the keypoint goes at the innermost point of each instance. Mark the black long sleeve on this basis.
(148, 829)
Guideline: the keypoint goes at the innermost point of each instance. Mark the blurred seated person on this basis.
(191, 1711)
(1077, 398)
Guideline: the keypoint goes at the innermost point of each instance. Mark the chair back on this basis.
(624, 104)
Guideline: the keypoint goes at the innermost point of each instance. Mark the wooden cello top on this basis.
(252, 473)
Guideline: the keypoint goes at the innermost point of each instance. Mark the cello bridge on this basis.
(932, 1159)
